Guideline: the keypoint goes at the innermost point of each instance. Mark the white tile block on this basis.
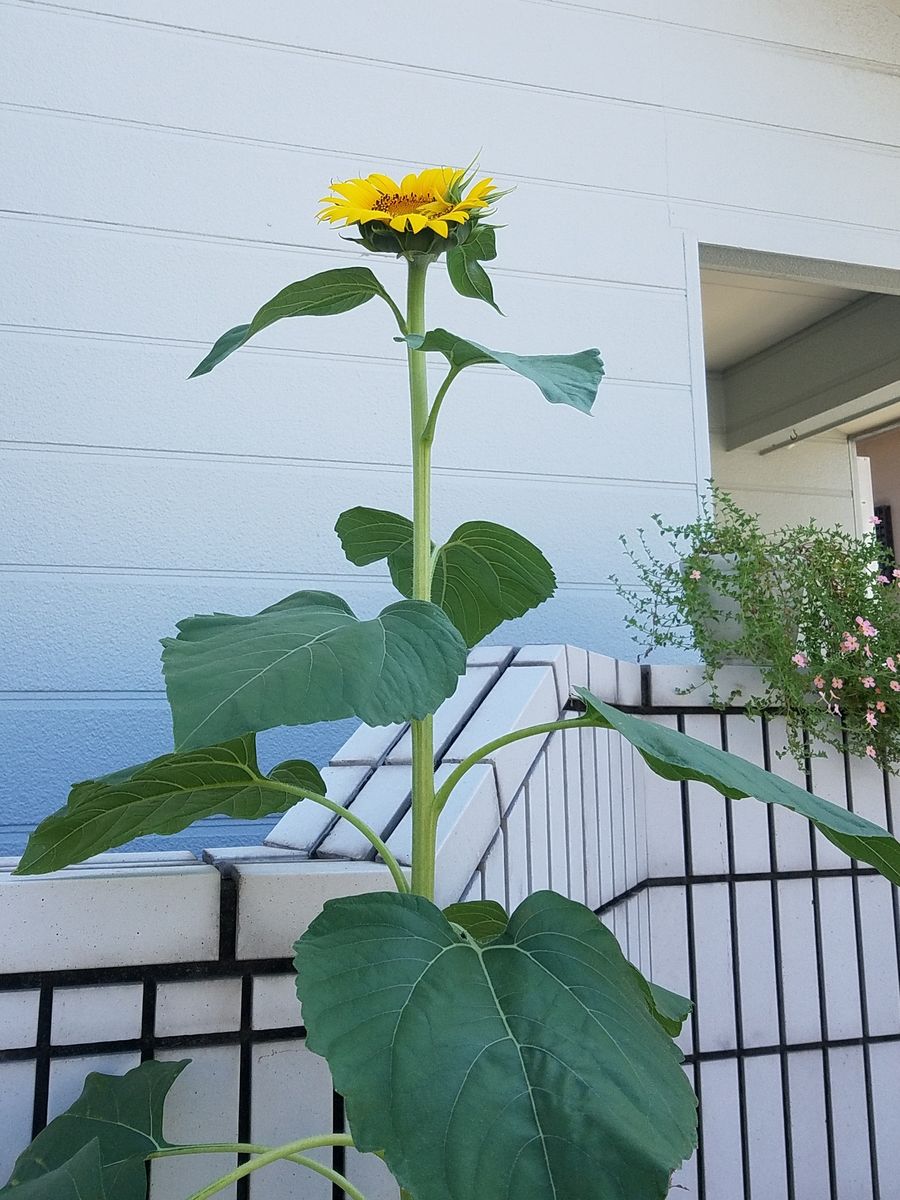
(110, 916)
(198, 1006)
(201, 1107)
(367, 745)
(378, 803)
(603, 677)
(715, 988)
(303, 826)
(551, 656)
(468, 822)
(521, 697)
(291, 1098)
(577, 660)
(18, 1018)
(628, 682)
(275, 1003)
(222, 857)
(16, 1098)
(276, 904)
(683, 685)
(451, 717)
(92, 1014)
(808, 1124)
(490, 656)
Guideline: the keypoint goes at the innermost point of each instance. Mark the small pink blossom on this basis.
(882, 579)
(837, 683)
(818, 682)
(866, 628)
(889, 663)
(881, 706)
(800, 659)
(871, 719)
(873, 520)
(695, 574)
(867, 650)
(849, 643)
(867, 681)
(896, 572)
(895, 685)
(870, 750)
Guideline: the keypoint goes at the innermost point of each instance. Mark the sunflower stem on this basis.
(424, 816)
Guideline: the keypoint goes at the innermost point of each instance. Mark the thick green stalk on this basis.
(424, 817)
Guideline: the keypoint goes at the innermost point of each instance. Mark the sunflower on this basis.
(432, 200)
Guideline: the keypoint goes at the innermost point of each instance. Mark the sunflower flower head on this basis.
(426, 213)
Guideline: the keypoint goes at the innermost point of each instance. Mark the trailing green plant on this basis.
(815, 610)
(480, 1053)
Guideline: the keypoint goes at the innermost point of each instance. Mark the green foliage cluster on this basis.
(815, 610)
(480, 1053)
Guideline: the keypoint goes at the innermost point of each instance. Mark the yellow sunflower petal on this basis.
(456, 215)
(399, 223)
(439, 226)
(417, 222)
(383, 183)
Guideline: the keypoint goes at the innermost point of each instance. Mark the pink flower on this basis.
(800, 659)
(867, 650)
(837, 683)
(695, 574)
(889, 663)
(873, 520)
(870, 750)
(871, 719)
(881, 706)
(818, 682)
(896, 572)
(866, 627)
(895, 685)
(882, 579)
(849, 643)
(867, 681)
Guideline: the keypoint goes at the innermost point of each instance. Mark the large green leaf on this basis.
(532, 1066)
(464, 261)
(483, 920)
(307, 659)
(321, 295)
(80, 1178)
(562, 378)
(483, 575)
(162, 797)
(122, 1115)
(674, 755)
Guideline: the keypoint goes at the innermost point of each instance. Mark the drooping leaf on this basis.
(670, 1009)
(163, 797)
(570, 379)
(307, 659)
(464, 267)
(677, 756)
(530, 1066)
(321, 295)
(484, 575)
(122, 1115)
(483, 920)
(79, 1178)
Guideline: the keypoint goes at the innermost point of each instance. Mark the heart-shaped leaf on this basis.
(562, 378)
(80, 1178)
(162, 797)
(121, 1116)
(484, 575)
(674, 755)
(307, 659)
(530, 1066)
(321, 295)
(464, 267)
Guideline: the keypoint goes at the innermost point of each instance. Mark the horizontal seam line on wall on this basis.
(541, 181)
(294, 352)
(189, 235)
(651, 106)
(854, 61)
